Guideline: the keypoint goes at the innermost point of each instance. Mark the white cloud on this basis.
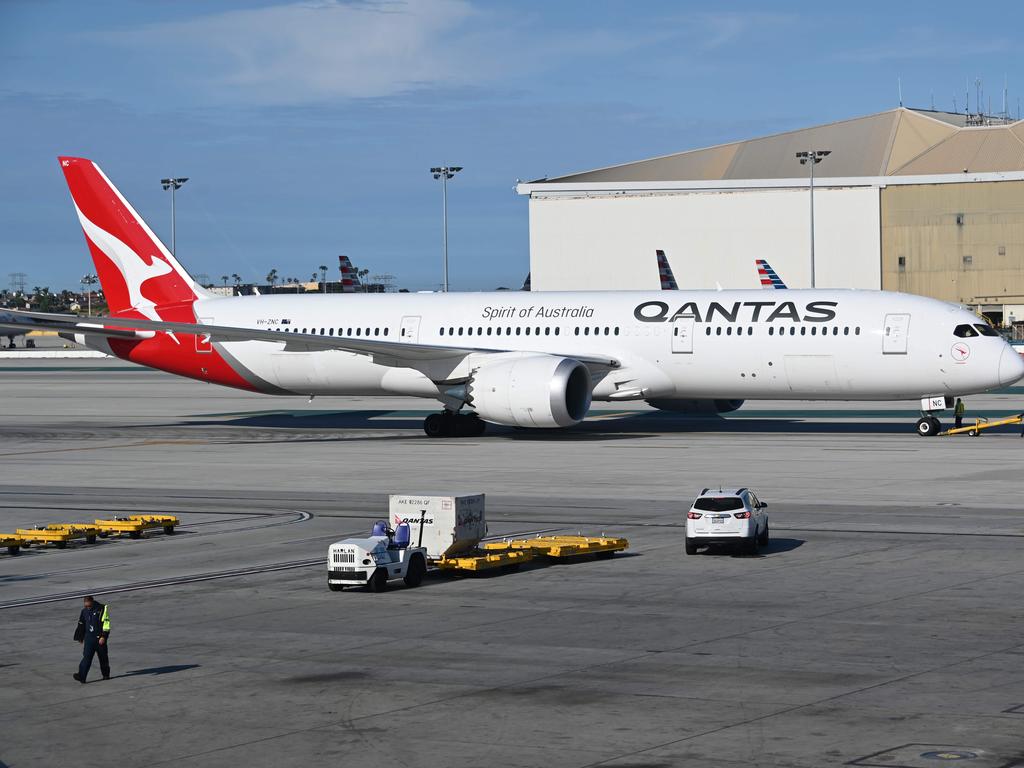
(312, 51)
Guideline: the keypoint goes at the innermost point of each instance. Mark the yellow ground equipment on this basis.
(13, 543)
(58, 535)
(135, 525)
(982, 423)
(563, 547)
(485, 560)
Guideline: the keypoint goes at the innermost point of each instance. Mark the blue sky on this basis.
(307, 128)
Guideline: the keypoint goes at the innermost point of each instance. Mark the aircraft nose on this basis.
(1011, 366)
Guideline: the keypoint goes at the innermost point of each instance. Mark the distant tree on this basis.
(272, 279)
(42, 298)
(237, 279)
(224, 279)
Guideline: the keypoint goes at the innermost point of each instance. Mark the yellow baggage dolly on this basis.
(563, 547)
(485, 560)
(981, 423)
(12, 542)
(135, 525)
(58, 535)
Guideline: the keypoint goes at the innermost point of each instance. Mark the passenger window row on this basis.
(526, 331)
(341, 331)
(824, 331)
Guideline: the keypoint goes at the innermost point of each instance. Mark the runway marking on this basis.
(168, 582)
(107, 447)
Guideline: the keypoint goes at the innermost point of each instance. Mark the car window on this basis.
(718, 503)
(965, 331)
(987, 330)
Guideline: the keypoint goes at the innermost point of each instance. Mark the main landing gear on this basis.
(928, 426)
(451, 424)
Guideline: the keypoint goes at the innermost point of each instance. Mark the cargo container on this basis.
(450, 524)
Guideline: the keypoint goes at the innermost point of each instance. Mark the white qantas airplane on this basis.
(523, 359)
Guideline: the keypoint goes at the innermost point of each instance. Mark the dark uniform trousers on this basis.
(91, 647)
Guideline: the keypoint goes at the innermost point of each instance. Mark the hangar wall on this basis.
(608, 242)
(960, 242)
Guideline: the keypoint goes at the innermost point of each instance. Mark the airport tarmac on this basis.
(880, 628)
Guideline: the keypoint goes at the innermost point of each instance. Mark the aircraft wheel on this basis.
(434, 425)
(469, 425)
(928, 426)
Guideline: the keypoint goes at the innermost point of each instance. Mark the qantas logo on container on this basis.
(738, 312)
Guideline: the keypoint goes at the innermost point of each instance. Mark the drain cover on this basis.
(931, 755)
(950, 754)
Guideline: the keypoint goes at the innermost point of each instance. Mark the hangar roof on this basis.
(898, 142)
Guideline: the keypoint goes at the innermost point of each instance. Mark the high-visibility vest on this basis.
(960, 408)
(105, 618)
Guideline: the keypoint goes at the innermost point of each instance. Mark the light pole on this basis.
(173, 184)
(89, 281)
(444, 173)
(811, 158)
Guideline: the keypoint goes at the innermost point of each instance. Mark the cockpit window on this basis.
(987, 330)
(965, 331)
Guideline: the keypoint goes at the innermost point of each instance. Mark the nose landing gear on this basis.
(451, 424)
(928, 426)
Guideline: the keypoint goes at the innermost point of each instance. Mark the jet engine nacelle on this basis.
(694, 405)
(531, 391)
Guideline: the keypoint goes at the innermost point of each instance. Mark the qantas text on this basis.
(738, 312)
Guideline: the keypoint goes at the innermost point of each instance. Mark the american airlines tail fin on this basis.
(350, 282)
(136, 271)
(668, 280)
(769, 277)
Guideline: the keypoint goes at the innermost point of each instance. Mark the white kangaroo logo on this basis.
(133, 269)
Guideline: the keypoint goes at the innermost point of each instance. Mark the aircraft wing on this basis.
(395, 353)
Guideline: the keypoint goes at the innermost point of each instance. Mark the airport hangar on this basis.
(909, 200)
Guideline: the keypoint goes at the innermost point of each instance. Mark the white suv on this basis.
(727, 517)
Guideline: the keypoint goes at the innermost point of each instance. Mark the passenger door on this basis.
(894, 338)
(682, 335)
(410, 331)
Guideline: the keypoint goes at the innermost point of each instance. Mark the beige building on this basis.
(911, 200)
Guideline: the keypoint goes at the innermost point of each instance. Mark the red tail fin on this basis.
(135, 269)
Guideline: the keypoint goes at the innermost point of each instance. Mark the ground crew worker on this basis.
(93, 632)
(958, 412)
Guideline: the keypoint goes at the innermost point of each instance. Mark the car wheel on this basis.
(750, 546)
(379, 581)
(335, 587)
(417, 570)
(764, 535)
(691, 546)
